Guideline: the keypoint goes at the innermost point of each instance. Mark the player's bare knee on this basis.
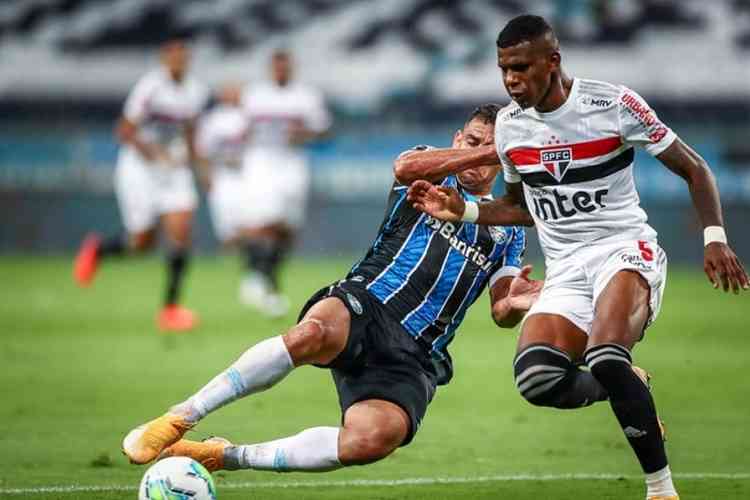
(306, 340)
(368, 445)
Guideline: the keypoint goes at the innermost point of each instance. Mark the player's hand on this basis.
(723, 267)
(523, 291)
(440, 202)
(298, 134)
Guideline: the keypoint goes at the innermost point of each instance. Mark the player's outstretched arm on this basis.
(435, 164)
(447, 204)
(513, 297)
(719, 262)
(127, 133)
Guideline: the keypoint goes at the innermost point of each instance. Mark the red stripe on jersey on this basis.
(580, 150)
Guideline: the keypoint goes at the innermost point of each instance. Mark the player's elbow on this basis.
(404, 171)
(124, 131)
(504, 316)
(507, 322)
(701, 169)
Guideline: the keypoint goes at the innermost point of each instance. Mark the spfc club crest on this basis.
(557, 161)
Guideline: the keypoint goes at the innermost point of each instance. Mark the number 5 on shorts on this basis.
(646, 252)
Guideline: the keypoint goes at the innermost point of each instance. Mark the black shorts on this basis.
(381, 360)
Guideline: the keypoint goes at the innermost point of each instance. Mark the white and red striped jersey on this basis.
(162, 107)
(272, 109)
(576, 164)
(222, 136)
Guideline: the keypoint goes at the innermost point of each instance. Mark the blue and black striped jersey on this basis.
(428, 272)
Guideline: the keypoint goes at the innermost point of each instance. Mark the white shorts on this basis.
(146, 191)
(573, 284)
(279, 182)
(228, 202)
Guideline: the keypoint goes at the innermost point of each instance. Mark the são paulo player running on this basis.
(282, 116)
(220, 141)
(566, 146)
(383, 331)
(153, 180)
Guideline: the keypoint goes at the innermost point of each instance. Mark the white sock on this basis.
(659, 483)
(312, 450)
(258, 369)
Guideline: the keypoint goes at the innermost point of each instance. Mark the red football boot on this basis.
(175, 318)
(87, 260)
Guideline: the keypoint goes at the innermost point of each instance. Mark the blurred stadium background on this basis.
(396, 72)
(83, 366)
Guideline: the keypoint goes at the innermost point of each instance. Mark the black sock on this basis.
(545, 376)
(114, 245)
(631, 402)
(580, 388)
(278, 253)
(177, 261)
(260, 256)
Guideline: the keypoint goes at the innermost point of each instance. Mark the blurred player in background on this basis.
(220, 141)
(383, 331)
(282, 116)
(567, 149)
(153, 180)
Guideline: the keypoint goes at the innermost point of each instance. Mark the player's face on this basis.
(230, 95)
(476, 133)
(281, 69)
(527, 70)
(175, 56)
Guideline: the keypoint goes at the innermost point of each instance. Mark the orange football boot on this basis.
(209, 452)
(175, 318)
(87, 260)
(145, 442)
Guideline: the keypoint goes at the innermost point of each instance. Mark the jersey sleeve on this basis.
(639, 124)
(510, 173)
(513, 258)
(136, 105)
(202, 98)
(205, 142)
(317, 117)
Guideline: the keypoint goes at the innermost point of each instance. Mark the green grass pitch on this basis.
(79, 368)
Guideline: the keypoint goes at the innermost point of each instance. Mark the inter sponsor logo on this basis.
(557, 161)
(553, 205)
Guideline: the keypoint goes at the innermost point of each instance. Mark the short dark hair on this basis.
(486, 112)
(521, 29)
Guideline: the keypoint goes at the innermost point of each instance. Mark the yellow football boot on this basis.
(664, 498)
(210, 452)
(145, 442)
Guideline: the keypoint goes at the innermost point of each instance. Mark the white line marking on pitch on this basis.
(413, 481)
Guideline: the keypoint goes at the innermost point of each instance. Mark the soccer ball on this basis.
(177, 478)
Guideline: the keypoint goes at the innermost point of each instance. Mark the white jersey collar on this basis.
(562, 109)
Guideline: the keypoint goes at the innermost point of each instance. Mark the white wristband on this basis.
(471, 212)
(712, 234)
